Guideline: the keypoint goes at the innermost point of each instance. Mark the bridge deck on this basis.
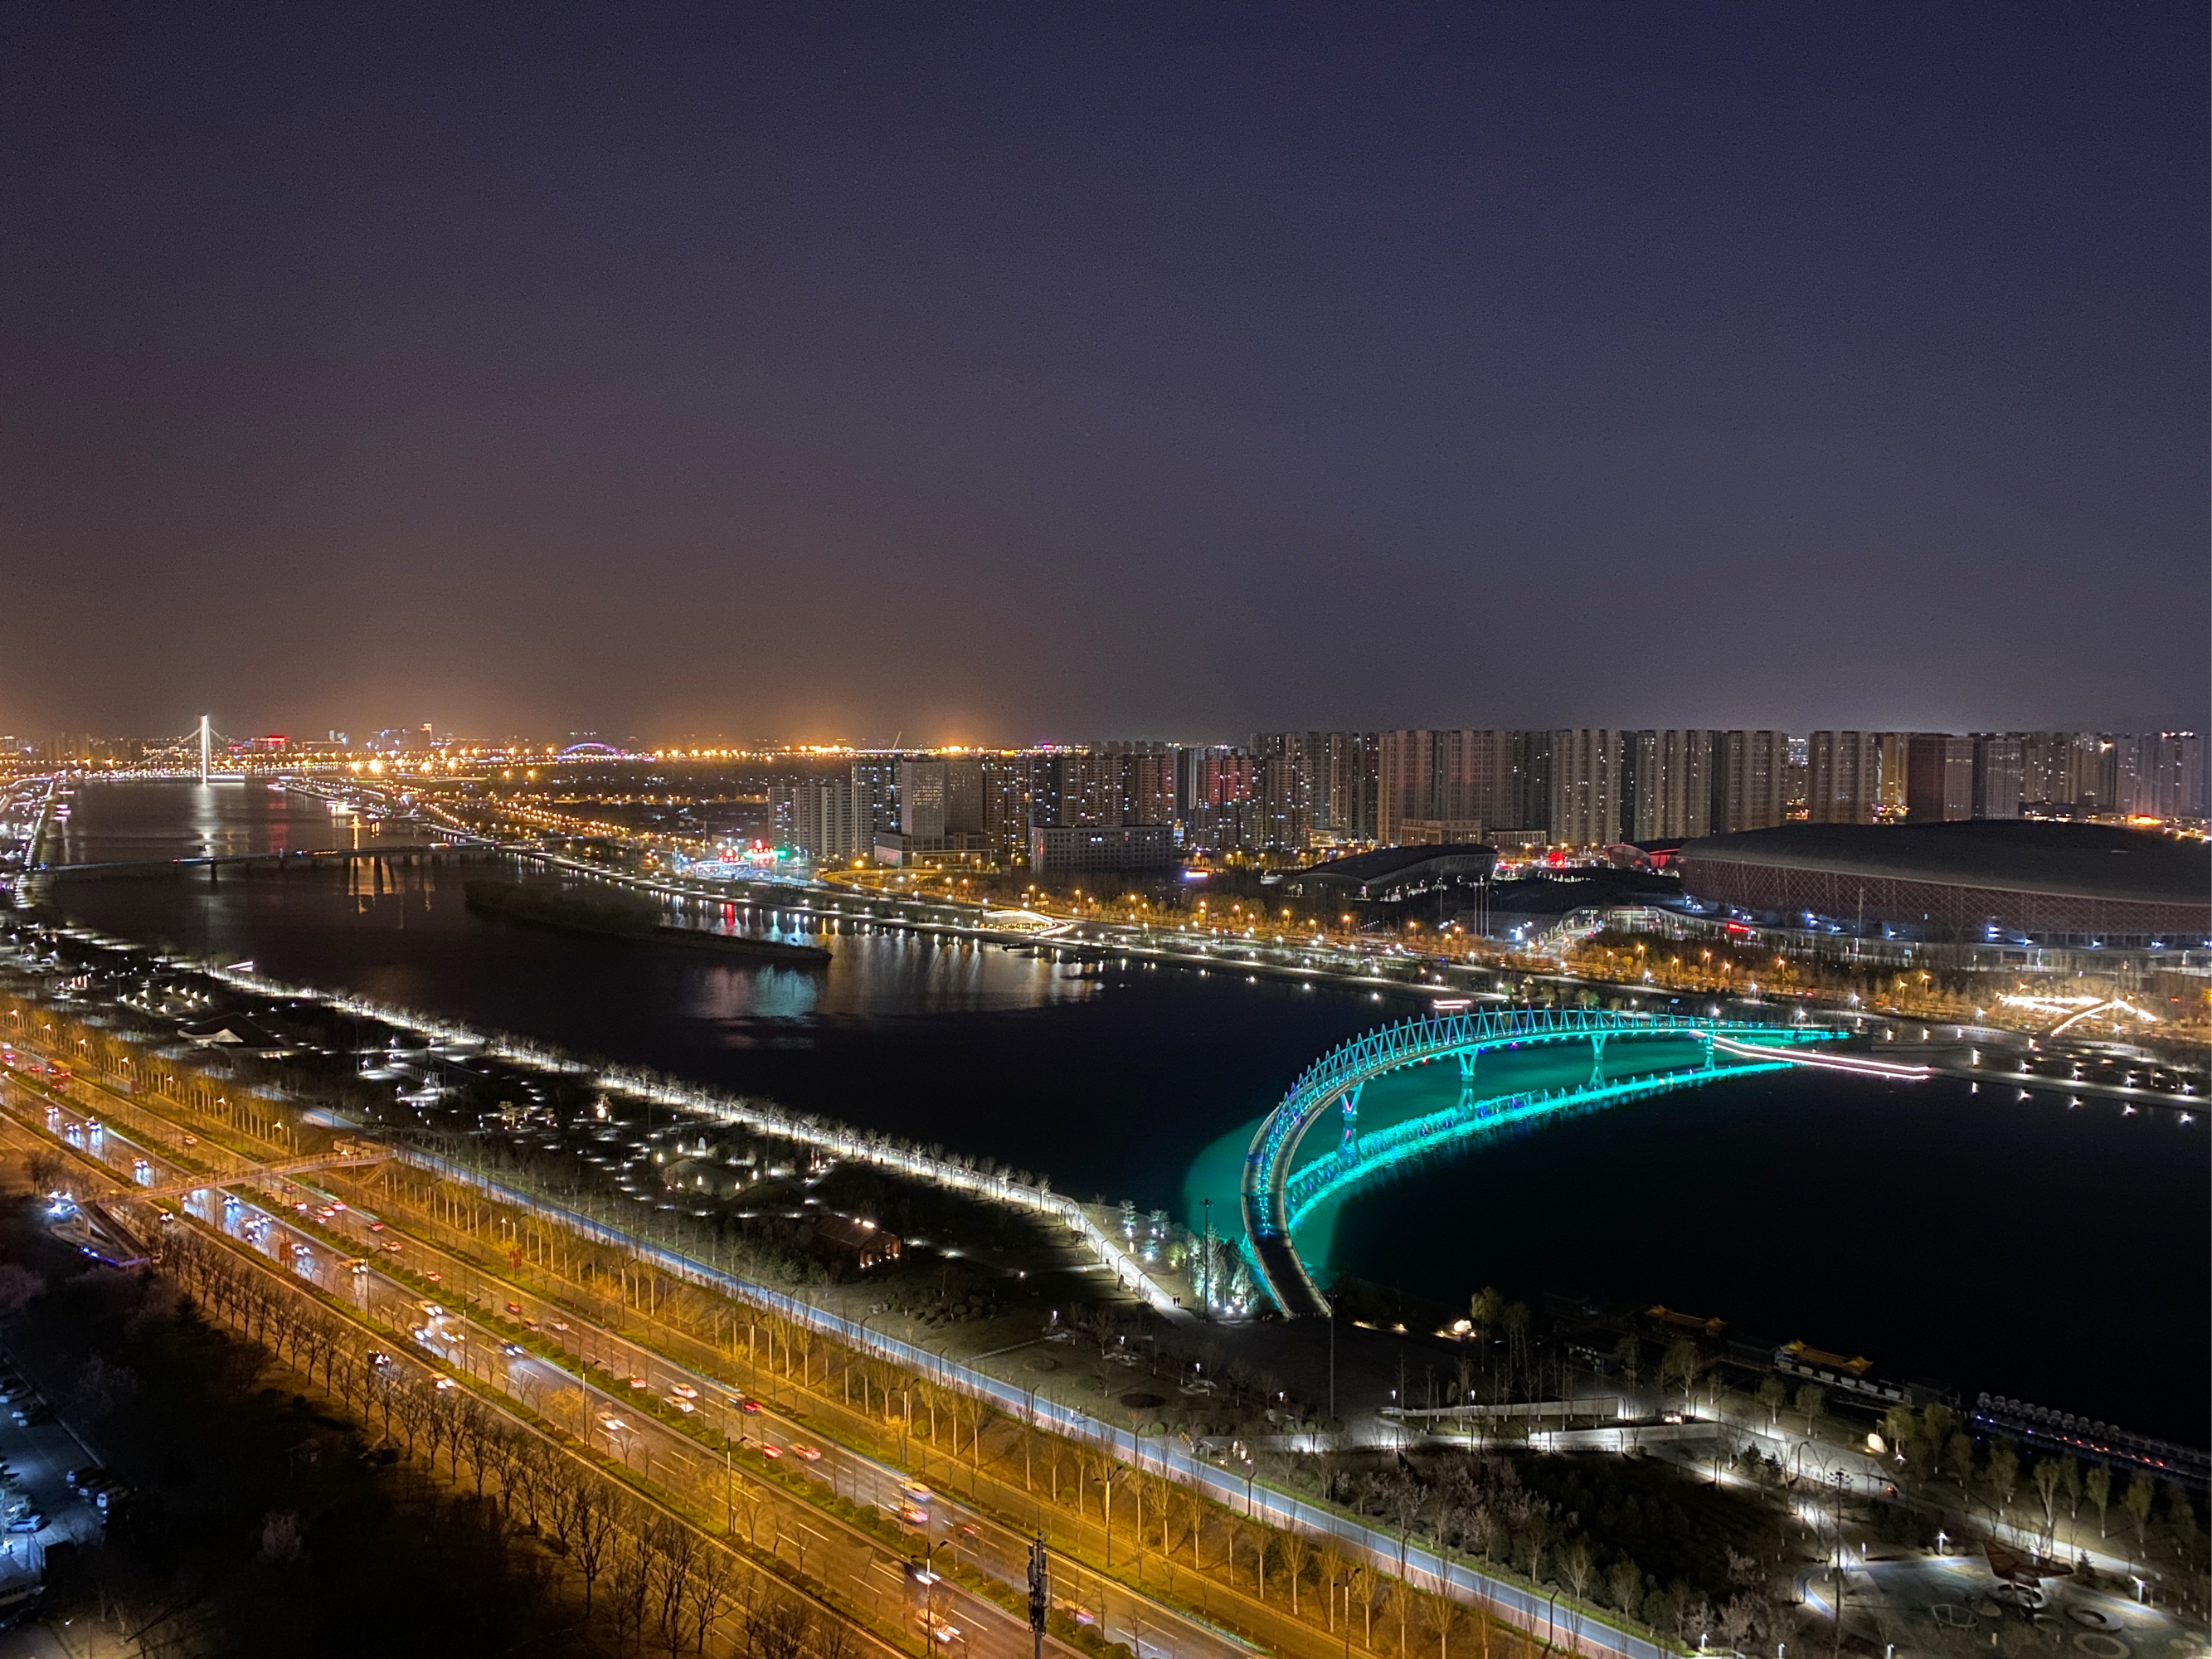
(1269, 1220)
(1294, 1293)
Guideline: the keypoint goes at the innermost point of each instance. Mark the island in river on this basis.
(610, 911)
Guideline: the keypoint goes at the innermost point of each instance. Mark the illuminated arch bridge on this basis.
(1279, 1193)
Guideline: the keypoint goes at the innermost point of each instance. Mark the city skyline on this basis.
(1013, 375)
(1135, 805)
(805, 849)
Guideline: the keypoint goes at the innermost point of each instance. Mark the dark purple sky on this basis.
(1003, 373)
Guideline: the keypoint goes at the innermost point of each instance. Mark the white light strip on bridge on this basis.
(844, 1141)
(1829, 1062)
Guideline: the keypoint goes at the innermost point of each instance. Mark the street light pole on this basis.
(1040, 1597)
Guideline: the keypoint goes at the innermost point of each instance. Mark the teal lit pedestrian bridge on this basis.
(1278, 1192)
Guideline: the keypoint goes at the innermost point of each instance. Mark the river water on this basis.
(2012, 1245)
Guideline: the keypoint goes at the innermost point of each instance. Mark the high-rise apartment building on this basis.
(1354, 758)
(1666, 784)
(1750, 779)
(875, 796)
(2043, 769)
(1939, 785)
(2092, 775)
(2000, 773)
(1844, 777)
(1004, 781)
(1896, 746)
(2177, 774)
(1147, 780)
(1406, 765)
(815, 815)
(1524, 791)
(1585, 807)
(1286, 788)
(1075, 789)
(1796, 777)
(1497, 780)
(1220, 797)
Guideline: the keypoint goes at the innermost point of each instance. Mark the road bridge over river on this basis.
(451, 850)
(1278, 1193)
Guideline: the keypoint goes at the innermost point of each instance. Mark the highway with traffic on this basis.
(452, 1327)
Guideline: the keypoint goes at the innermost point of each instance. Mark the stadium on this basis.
(2012, 882)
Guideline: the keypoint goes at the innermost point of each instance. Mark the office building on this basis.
(1088, 850)
(939, 797)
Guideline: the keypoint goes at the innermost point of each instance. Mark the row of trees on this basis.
(658, 1581)
(1140, 1514)
(1938, 1451)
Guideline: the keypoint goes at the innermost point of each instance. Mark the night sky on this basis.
(1009, 373)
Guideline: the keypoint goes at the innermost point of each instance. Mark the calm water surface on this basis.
(2017, 1246)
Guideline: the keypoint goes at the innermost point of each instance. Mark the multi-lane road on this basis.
(1121, 1612)
(452, 1326)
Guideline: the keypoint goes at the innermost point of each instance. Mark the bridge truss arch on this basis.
(1277, 1194)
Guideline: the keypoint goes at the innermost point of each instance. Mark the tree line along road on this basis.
(1368, 1560)
(658, 1451)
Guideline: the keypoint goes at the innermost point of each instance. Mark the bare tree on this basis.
(592, 1524)
(709, 1590)
(2140, 1491)
(629, 1583)
(773, 1626)
(2097, 1485)
(1297, 1551)
(672, 1548)
(1577, 1566)
(476, 1433)
(1440, 1616)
